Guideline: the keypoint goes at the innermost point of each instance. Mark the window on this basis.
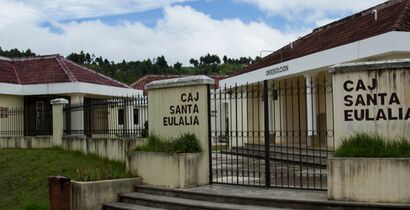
(121, 116)
(136, 116)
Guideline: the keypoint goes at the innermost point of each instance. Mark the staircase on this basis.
(291, 154)
(156, 198)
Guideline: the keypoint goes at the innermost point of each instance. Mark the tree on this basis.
(161, 62)
(178, 66)
(194, 62)
(225, 59)
(15, 53)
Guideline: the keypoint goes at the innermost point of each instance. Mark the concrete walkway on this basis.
(260, 192)
(290, 195)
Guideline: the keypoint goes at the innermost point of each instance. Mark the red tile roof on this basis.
(49, 69)
(140, 84)
(392, 15)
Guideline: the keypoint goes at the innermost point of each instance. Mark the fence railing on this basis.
(11, 122)
(120, 117)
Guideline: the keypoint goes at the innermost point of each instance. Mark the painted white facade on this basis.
(66, 88)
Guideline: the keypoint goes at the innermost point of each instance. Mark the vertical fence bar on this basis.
(236, 133)
(242, 136)
(259, 131)
(274, 98)
(266, 132)
(208, 92)
(217, 133)
(292, 102)
(231, 137)
(300, 136)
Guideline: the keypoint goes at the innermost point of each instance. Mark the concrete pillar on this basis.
(77, 116)
(311, 107)
(129, 116)
(188, 93)
(58, 120)
(371, 97)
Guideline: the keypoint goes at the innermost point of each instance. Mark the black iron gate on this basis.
(272, 133)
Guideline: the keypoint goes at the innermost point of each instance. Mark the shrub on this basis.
(184, 144)
(155, 144)
(366, 145)
(94, 174)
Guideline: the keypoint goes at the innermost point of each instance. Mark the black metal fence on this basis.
(38, 119)
(273, 133)
(120, 117)
(11, 122)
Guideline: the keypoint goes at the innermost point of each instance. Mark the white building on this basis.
(293, 72)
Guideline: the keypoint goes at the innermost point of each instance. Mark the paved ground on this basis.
(237, 169)
(259, 192)
(292, 196)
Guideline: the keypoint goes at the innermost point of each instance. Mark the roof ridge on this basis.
(95, 72)
(380, 6)
(35, 57)
(5, 58)
(66, 70)
(398, 26)
(156, 75)
(140, 79)
(15, 71)
(174, 75)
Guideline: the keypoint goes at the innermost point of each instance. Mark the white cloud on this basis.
(12, 12)
(73, 9)
(182, 33)
(311, 10)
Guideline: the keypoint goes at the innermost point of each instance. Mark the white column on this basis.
(129, 116)
(58, 120)
(77, 116)
(311, 108)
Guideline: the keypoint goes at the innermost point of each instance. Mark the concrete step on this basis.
(177, 203)
(307, 159)
(292, 149)
(160, 197)
(127, 206)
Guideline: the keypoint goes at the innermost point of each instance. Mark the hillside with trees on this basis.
(130, 71)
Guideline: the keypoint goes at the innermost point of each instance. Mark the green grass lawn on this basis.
(24, 174)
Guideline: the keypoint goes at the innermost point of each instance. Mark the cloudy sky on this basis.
(177, 29)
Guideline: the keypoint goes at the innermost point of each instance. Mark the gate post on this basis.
(371, 97)
(266, 131)
(58, 120)
(180, 106)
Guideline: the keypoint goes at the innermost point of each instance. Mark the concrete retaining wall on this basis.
(385, 180)
(113, 149)
(25, 142)
(167, 170)
(92, 195)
